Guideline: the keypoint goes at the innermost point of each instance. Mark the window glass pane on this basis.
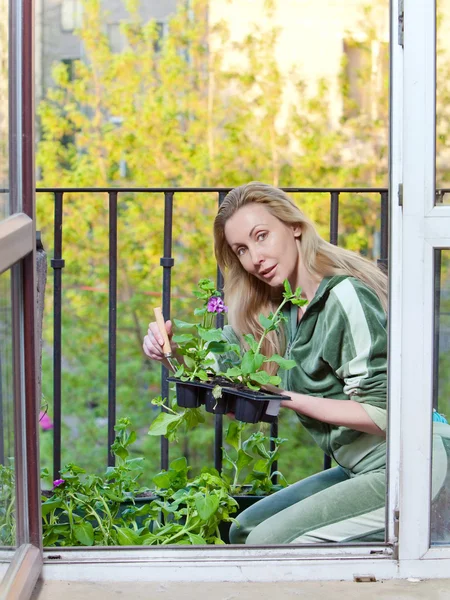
(7, 489)
(442, 102)
(4, 133)
(440, 515)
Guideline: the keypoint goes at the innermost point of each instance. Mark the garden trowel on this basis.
(167, 349)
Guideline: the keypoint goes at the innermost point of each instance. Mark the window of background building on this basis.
(71, 14)
(365, 74)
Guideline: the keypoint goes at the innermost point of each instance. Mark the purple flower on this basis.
(45, 421)
(216, 305)
(58, 482)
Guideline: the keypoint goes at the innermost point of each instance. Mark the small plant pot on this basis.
(244, 503)
(219, 406)
(190, 394)
(251, 406)
(249, 411)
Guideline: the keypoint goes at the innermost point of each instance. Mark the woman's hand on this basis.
(153, 341)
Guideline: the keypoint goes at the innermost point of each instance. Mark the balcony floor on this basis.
(391, 590)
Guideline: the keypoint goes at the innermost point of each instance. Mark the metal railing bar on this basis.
(112, 323)
(356, 190)
(167, 263)
(218, 419)
(334, 217)
(57, 263)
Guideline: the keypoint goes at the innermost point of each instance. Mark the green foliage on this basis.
(88, 510)
(248, 463)
(169, 423)
(196, 347)
(7, 506)
(250, 371)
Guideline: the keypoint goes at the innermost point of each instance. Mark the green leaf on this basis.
(275, 380)
(183, 324)
(243, 459)
(206, 505)
(183, 338)
(261, 377)
(252, 343)
(287, 288)
(248, 363)
(252, 386)
(161, 424)
(179, 464)
(162, 480)
(210, 335)
(265, 322)
(233, 372)
(202, 375)
(128, 537)
(233, 434)
(84, 533)
(196, 540)
(299, 301)
(189, 362)
(284, 363)
(50, 505)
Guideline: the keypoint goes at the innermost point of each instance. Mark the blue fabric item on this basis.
(438, 417)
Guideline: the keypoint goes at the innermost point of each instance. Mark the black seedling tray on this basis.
(248, 406)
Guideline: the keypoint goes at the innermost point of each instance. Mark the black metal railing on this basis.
(166, 262)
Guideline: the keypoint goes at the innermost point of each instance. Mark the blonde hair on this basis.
(247, 296)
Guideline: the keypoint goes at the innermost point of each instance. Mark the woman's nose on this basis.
(256, 256)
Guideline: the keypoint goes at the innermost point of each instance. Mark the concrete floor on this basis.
(389, 590)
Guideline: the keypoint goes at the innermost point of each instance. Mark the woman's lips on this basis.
(270, 273)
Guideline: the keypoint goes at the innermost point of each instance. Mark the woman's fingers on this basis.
(154, 342)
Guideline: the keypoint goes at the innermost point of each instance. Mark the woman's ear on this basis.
(297, 231)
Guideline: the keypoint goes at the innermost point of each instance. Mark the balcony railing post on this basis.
(167, 263)
(334, 217)
(218, 419)
(57, 263)
(112, 323)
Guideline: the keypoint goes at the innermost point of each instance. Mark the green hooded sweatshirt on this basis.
(340, 350)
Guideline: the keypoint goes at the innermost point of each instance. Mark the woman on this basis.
(338, 388)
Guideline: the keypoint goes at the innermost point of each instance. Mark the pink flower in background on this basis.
(45, 421)
(58, 482)
(216, 305)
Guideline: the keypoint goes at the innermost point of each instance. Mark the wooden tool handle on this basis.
(167, 348)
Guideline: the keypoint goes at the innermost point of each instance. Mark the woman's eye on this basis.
(261, 236)
(240, 251)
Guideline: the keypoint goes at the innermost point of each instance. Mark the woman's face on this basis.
(265, 246)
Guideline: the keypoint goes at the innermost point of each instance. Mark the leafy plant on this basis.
(191, 511)
(196, 346)
(7, 506)
(87, 510)
(250, 372)
(169, 422)
(248, 463)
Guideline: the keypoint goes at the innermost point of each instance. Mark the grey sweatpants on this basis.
(336, 505)
(331, 506)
